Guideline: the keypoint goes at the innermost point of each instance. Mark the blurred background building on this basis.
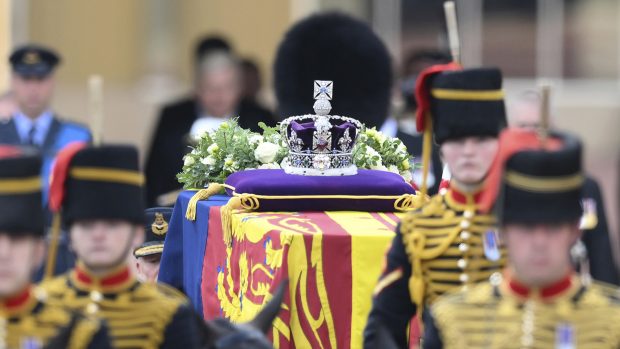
(143, 49)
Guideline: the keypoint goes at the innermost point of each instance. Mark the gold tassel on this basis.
(226, 213)
(53, 248)
(202, 194)
(588, 221)
(427, 148)
(410, 202)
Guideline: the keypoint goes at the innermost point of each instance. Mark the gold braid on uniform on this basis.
(492, 316)
(33, 320)
(136, 314)
(444, 242)
(83, 333)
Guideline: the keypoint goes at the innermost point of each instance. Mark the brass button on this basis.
(92, 308)
(96, 296)
(464, 277)
(463, 247)
(465, 235)
(495, 279)
(465, 224)
(461, 263)
(468, 214)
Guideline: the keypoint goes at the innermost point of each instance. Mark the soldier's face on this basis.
(148, 267)
(540, 254)
(104, 244)
(469, 158)
(19, 257)
(33, 94)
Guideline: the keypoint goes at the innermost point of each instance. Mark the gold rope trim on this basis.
(52, 250)
(247, 197)
(103, 174)
(387, 280)
(20, 185)
(427, 150)
(543, 185)
(143, 251)
(468, 95)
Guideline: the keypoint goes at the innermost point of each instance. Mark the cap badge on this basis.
(32, 57)
(159, 225)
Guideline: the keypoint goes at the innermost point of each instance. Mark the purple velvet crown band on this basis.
(364, 183)
(305, 132)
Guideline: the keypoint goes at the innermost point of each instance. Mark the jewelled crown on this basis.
(321, 144)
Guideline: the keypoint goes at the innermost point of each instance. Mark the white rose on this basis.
(195, 151)
(213, 148)
(209, 161)
(188, 160)
(270, 166)
(256, 139)
(401, 148)
(266, 152)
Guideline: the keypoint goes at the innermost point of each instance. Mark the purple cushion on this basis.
(364, 183)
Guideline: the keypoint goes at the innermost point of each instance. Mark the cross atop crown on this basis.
(323, 92)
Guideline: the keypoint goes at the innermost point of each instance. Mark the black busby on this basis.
(34, 60)
(539, 181)
(156, 221)
(338, 48)
(462, 103)
(98, 183)
(21, 206)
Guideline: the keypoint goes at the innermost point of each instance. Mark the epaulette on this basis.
(610, 292)
(54, 286)
(159, 293)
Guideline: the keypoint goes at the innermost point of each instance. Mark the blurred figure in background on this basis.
(340, 48)
(252, 85)
(403, 125)
(525, 113)
(217, 95)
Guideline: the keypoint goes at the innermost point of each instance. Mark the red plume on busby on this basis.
(511, 141)
(422, 91)
(60, 171)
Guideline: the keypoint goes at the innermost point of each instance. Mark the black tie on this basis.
(31, 133)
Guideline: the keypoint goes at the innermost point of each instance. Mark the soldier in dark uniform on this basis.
(539, 301)
(100, 191)
(26, 319)
(148, 255)
(447, 243)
